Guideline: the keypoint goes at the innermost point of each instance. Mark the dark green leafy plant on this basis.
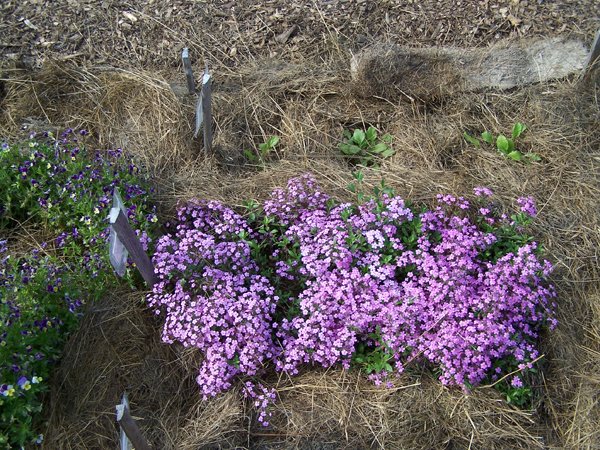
(505, 145)
(39, 307)
(365, 147)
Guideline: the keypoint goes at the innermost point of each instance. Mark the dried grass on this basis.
(307, 104)
(128, 109)
(118, 349)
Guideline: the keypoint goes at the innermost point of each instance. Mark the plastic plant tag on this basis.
(123, 439)
(117, 253)
(206, 76)
(203, 108)
(199, 115)
(187, 67)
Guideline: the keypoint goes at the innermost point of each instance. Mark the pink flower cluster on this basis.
(312, 281)
(213, 296)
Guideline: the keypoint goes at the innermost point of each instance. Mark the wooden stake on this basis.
(129, 427)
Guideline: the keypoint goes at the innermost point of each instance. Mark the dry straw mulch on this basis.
(308, 104)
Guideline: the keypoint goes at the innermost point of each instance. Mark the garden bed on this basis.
(118, 345)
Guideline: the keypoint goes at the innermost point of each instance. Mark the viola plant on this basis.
(379, 285)
(39, 306)
(60, 186)
(57, 186)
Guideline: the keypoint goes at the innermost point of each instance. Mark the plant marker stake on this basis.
(187, 67)
(207, 109)
(593, 60)
(126, 235)
(199, 115)
(125, 443)
(130, 432)
(117, 253)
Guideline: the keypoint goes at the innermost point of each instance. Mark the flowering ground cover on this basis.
(378, 285)
(57, 187)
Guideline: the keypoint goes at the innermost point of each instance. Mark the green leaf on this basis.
(518, 129)
(358, 137)
(358, 175)
(250, 156)
(511, 145)
(502, 143)
(273, 141)
(387, 153)
(471, 140)
(347, 134)
(379, 148)
(371, 134)
(487, 137)
(533, 157)
(515, 155)
(349, 149)
(386, 138)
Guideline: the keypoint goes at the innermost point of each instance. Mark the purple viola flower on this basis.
(22, 381)
(61, 239)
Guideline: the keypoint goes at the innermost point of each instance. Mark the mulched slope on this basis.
(151, 33)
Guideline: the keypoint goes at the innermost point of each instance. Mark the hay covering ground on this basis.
(308, 104)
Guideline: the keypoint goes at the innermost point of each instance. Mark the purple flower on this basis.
(516, 382)
(310, 281)
(22, 382)
(481, 191)
(527, 206)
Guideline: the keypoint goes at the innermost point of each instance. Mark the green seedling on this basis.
(264, 149)
(365, 148)
(505, 145)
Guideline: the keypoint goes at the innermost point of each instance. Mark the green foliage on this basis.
(56, 186)
(516, 387)
(357, 188)
(365, 147)
(38, 303)
(505, 145)
(264, 149)
(373, 359)
(471, 140)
